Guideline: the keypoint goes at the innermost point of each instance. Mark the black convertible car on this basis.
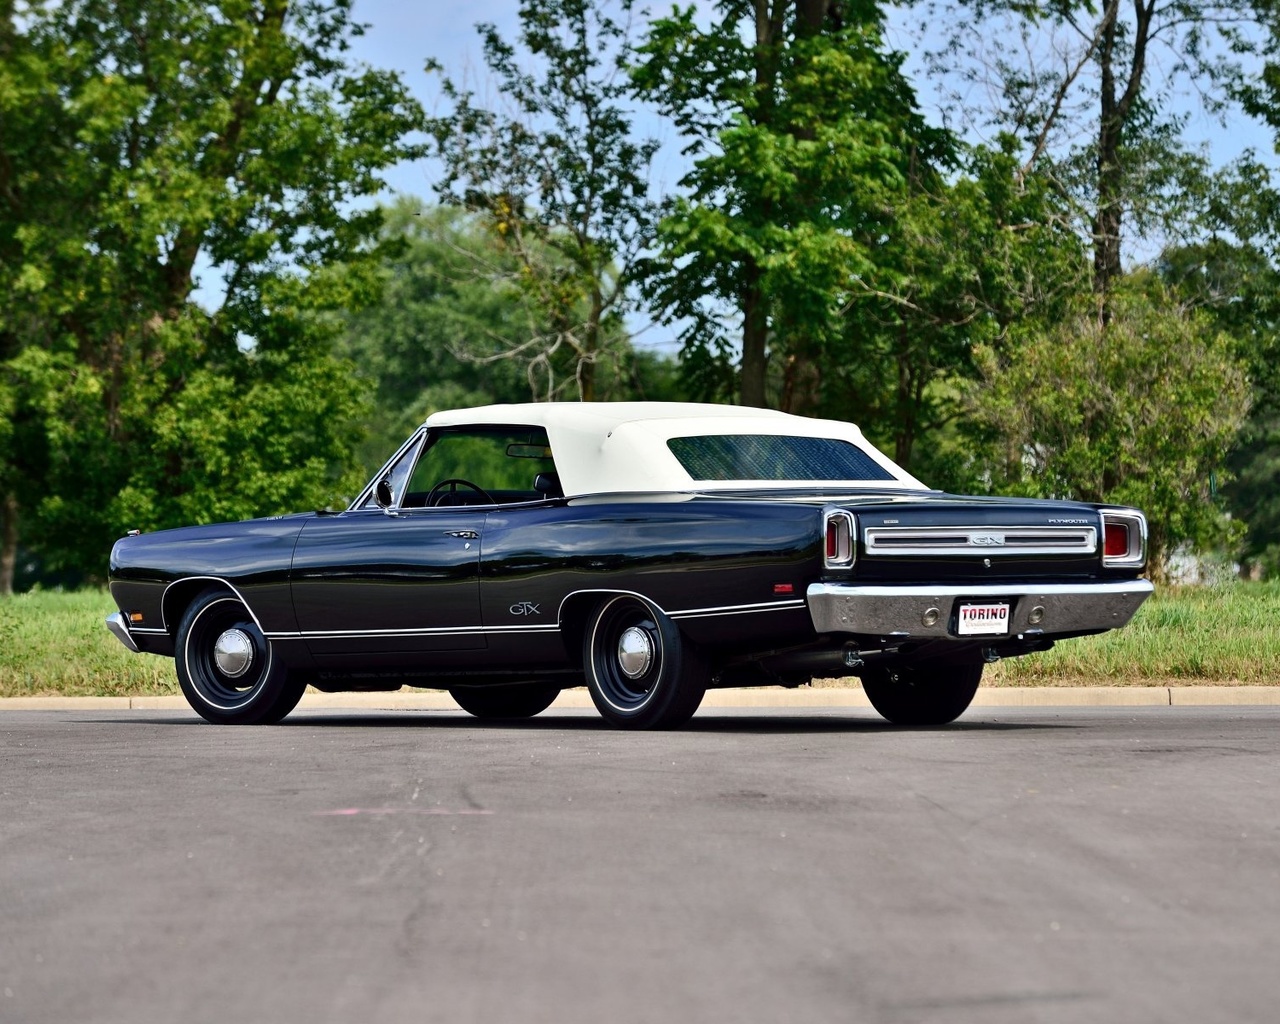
(650, 550)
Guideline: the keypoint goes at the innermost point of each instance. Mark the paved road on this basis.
(1092, 864)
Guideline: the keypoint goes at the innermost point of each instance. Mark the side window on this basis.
(480, 466)
(398, 474)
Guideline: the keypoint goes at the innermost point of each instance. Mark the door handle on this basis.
(462, 534)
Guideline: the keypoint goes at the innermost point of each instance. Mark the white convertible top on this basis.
(621, 447)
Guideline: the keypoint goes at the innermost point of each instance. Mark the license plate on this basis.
(990, 618)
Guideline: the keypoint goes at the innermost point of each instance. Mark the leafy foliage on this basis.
(145, 143)
(803, 142)
(965, 261)
(1140, 411)
(451, 313)
(559, 179)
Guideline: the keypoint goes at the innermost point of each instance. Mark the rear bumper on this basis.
(927, 611)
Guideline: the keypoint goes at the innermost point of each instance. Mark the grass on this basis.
(55, 643)
(1181, 635)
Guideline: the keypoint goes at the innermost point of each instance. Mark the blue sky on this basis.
(402, 34)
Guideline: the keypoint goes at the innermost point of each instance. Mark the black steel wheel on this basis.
(914, 696)
(642, 673)
(227, 669)
(522, 700)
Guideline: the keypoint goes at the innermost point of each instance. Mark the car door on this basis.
(400, 577)
(404, 583)
(400, 573)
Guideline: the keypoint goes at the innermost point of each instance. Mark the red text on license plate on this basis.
(990, 619)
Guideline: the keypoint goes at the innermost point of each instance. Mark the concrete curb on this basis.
(804, 697)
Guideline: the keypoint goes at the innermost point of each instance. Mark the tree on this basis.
(1102, 70)
(965, 260)
(804, 134)
(451, 312)
(143, 143)
(560, 179)
(1145, 417)
(1231, 276)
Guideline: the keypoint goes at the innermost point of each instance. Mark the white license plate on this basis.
(987, 619)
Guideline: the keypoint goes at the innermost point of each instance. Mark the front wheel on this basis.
(914, 696)
(228, 671)
(505, 701)
(642, 673)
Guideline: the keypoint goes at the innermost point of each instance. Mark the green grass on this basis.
(1181, 635)
(55, 643)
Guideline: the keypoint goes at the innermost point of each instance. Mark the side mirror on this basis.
(382, 494)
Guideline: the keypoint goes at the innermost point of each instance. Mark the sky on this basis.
(402, 35)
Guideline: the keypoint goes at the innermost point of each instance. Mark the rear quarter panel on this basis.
(713, 565)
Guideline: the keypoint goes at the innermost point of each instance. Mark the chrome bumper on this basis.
(119, 628)
(923, 610)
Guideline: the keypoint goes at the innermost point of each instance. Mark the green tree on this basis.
(965, 260)
(560, 181)
(1231, 276)
(144, 143)
(1104, 71)
(805, 135)
(451, 313)
(1141, 411)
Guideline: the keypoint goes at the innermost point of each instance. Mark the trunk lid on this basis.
(944, 537)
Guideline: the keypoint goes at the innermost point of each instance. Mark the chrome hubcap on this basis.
(635, 652)
(233, 653)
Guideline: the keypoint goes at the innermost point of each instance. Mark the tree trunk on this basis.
(755, 314)
(1107, 218)
(801, 382)
(587, 366)
(8, 543)
(755, 337)
(1114, 113)
(905, 434)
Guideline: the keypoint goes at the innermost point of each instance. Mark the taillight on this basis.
(1124, 539)
(840, 546)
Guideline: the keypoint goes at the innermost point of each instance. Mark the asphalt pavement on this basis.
(1044, 864)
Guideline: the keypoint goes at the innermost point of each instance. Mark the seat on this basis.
(548, 485)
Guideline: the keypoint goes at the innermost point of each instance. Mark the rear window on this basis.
(772, 457)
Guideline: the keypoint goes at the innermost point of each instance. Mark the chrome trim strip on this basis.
(343, 634)
(979, 540)
(739, 609)
(604, 590)
(689, 613)
(693, 613)
(216, 579)
(119, 628)
(903, 610)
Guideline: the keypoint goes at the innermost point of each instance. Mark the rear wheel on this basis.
(642, 673)
(933, 696)
(227, 668)
(503, 701)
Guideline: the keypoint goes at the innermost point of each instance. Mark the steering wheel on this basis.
(435, 497)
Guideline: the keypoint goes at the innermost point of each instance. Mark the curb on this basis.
(803, 697)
